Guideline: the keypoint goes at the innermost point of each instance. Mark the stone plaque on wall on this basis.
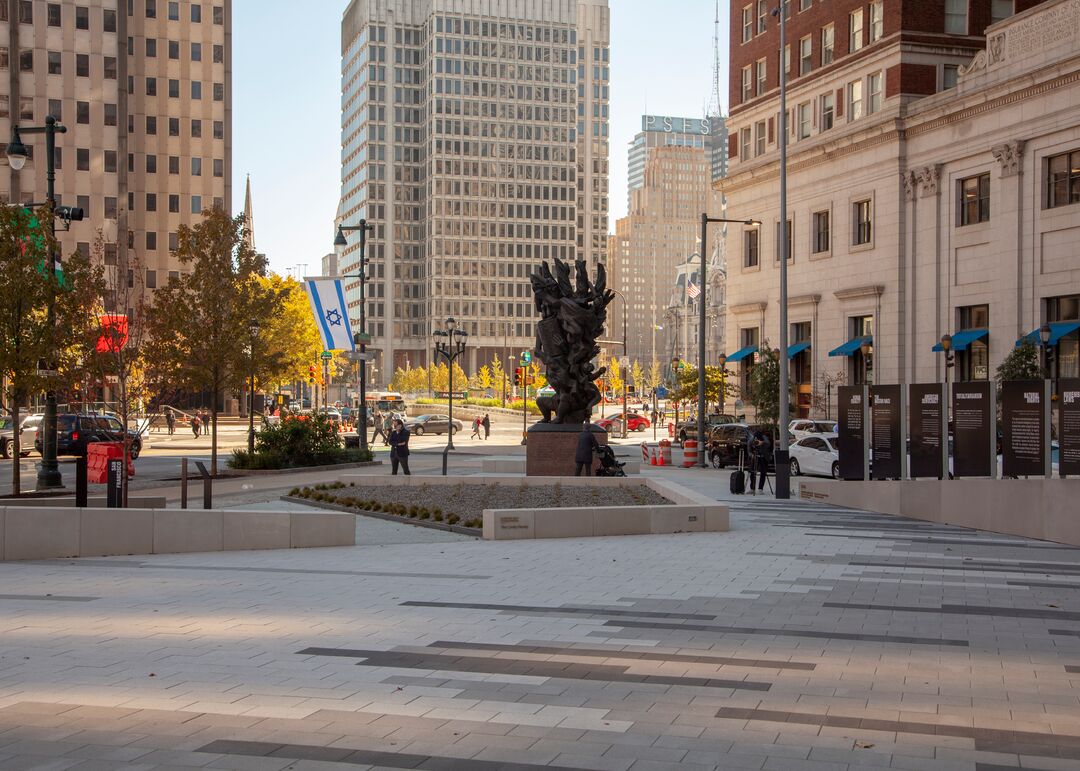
(851, 443)
(1025, 421)
(974, 430)
(928, 430)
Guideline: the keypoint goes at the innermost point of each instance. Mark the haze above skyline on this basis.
(287, 96)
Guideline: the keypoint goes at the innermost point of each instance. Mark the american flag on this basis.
(692, 290)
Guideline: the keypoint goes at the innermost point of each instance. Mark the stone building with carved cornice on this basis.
(915, 215)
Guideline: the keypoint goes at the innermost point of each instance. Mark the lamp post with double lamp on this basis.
(253, 327)
(1044, 345)
(450, 346)
(867, 370)
(48, 476)
(361, 338)
(624, 326)
(950, 361)
(722, 361)
(701, 299)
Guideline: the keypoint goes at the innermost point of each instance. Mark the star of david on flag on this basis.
(327, 296)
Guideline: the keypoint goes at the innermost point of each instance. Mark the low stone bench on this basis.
(516, 465)
(38, 532)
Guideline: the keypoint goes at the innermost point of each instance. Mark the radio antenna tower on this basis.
(713, 110)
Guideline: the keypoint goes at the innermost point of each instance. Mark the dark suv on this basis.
(74, 432)
(728, 441)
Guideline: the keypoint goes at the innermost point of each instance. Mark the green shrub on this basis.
(437, 517)
(425, 514)
(453, 519)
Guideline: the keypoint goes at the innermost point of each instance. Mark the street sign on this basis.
(624, 361)
(365, 356)
(326, 355)
(526, 357)
(362, 337)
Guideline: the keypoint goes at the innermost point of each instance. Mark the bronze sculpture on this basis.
(572, 319)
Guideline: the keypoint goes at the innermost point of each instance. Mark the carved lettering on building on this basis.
(1044, 30)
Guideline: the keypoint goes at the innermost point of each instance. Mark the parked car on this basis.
(729, 441)
(687, 429)
(801, 427)
(635, 422)
(74, 432)
(815, 454)
(7, 436)
(432, 424)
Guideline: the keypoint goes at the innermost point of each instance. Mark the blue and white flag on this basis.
(327, 297)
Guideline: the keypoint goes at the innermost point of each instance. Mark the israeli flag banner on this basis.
(327, 297)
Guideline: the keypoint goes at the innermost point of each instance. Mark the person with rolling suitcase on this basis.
(737, 483)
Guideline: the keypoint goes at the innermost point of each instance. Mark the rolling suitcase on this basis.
(738, 479)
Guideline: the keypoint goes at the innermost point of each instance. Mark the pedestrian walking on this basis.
(206, 423)
(475, 429)
(759, 447)
(170, 421)
(377, 423)
(399, 448)
(195, 425)
(586, 443)
(486, 423)
(388, 426)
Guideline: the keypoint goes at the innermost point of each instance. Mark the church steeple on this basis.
(249, 220)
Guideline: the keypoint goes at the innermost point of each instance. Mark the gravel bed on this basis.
(470, 500)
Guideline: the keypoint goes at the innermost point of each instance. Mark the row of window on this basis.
(173, 50)
(174, 88)
(54, 14)
(173, 11)
(821, 233)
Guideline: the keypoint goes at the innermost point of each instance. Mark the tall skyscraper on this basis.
(474, 138)
(666, 131)
(145, 91)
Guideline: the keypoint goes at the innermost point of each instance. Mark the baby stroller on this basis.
(609, 466)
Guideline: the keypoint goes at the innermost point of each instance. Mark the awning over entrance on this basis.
(741, 354)
(852, 345)
(965, 337)
(796, 348)
(1058, 330)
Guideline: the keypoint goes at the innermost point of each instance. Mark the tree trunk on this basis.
(213, 436)
(16, 447)
(124, 415)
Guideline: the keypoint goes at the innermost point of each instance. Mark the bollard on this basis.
(80, 481)
(183, 483)
(445, 452)
(208, 485)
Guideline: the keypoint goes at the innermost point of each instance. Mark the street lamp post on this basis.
(950, 360)
(526, 361)
(624, 326)
(253, 327)
(450, 349)
(361, 338)
(702, 321)
(722, 361)
(866, 349)
(1044, 345)
(48, 476)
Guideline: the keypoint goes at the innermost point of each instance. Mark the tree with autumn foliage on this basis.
(200, 322)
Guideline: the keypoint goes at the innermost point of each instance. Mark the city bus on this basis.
(385, 401)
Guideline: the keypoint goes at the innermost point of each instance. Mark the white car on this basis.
(801, 427)
(815, 455)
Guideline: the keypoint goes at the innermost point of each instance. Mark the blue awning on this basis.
(852, 345)
(797, 348)
(741, 354)
(965, 337)
(1058, 330)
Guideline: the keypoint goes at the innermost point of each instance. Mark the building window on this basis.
(950, 74)
(974, 363)
(761, 75)
(174, 164)
(219, 167)
(26, 12)
(109, 68)
(828, 110)
(762, 16)
(151, 164)
(748, 338)
(108, 20)
(219, 92)
(174, 204)
(151, 86)
(151, 9)
(110, 207)
(1000, 10)
(806, 52)
(1063, 179)
(151, 125)
(196, 167)
(110, 114)
(26, 61)
(804, 5)
(956, 17)
(804, 118)
(56, 109)
(828, 33)
(174, 88)
(151, 47)
(855, 25)
(196, 52)
(747, 23)
(82, 17)
(750, 248)
(821, 232)
(54, 14)
(174, 127)
(174, 49)
(744, 143)
(196, 204)
(196, 128)
(759, 138)
(862, 366)
(790, 245)
(151, 201)
(26, 112)
(219, 54)
(174, 10)
(219, 129)
(219, 14)
(54, 63)
(862, 217)
(854, 100)
(196, 13)
(801, 363)
(82, 159)
(873, 93)
(877, 21)
(974, 199)
(1064, 358)
(82, 112)
(151, 279)
(747, 83)
(196, 89)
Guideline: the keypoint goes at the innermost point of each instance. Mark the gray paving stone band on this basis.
(962, 610)
(561, 610)
(877, 638)
(986, 739)
(131, 564)
(526, 668)
(367, 757)
(47, 597)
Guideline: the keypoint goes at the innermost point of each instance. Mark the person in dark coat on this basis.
(759, 448)
(399, 448)
(486, 423)
(586, 443)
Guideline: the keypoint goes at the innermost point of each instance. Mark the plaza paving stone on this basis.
(808, 637)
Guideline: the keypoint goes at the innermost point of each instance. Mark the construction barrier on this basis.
(690, 454)
(670, 429)
(98, 455)
(646, 453)
(664, 453)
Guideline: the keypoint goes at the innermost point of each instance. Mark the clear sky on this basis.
(286, 106)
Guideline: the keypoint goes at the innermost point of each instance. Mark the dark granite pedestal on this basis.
(550, 449)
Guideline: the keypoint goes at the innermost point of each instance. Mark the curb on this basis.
(387, 517)
(240, 472)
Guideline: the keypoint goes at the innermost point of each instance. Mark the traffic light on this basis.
(519, 375)
(311, 374)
